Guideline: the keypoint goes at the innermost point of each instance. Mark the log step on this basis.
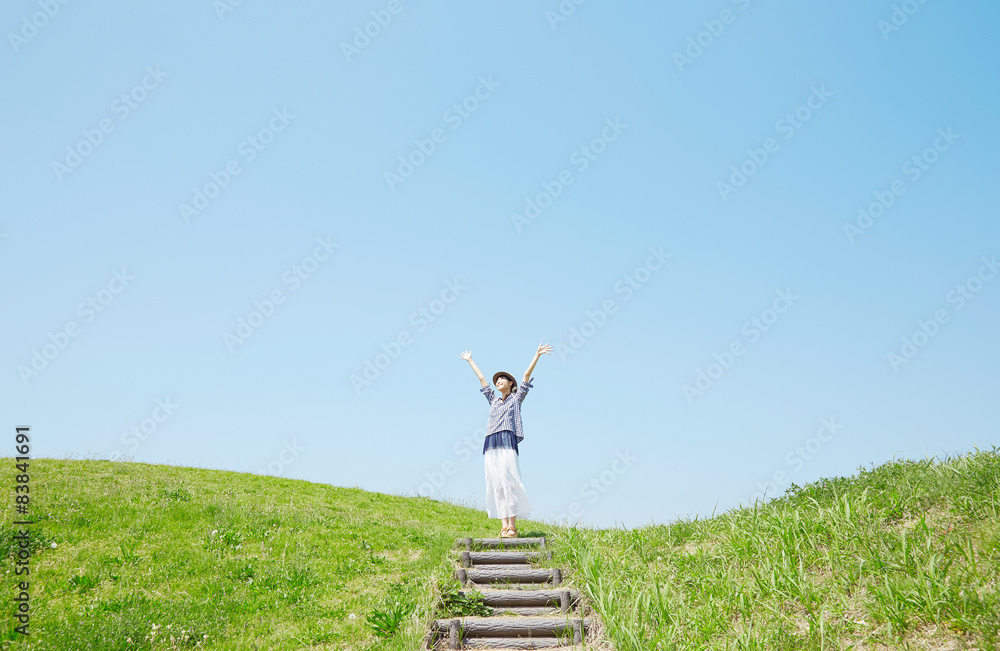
(502, 543)
(534, 611)
(517, 644)
(477, 558)
(522, 587)
(553, 576)
(514, 627)
(503, 567)
(503, 598)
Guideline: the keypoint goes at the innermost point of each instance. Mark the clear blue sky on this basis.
(627, 137)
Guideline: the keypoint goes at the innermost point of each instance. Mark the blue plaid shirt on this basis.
(506, 414)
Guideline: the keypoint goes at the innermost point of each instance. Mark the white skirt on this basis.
(505, 496)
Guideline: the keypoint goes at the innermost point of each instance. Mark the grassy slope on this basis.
(906, 555)
(288, 563)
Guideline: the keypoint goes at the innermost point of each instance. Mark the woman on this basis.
(505, 496)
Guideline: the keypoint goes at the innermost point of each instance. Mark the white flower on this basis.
(352, 616)
(53, 545)
(215, 532)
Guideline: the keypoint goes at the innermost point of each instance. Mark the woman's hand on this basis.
(542, 348)
(467, 356)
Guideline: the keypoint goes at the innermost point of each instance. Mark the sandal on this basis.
(506, 533)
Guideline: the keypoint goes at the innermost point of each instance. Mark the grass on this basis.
(902, 556)
(130, 556)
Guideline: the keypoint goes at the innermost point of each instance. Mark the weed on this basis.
(386, 621)
(453, 603)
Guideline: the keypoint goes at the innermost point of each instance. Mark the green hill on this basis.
(902, 556)
(251, 562)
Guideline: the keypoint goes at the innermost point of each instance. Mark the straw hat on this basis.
(510, 377)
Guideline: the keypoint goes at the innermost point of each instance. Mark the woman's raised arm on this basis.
(467, 356)
(542, 348)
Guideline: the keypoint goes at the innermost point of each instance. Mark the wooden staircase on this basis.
(532, 609)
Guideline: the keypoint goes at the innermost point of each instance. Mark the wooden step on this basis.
(501, 543)
(501, 567)
(473, 559)
(510, 643)
(522, 587)
(551, 576)
(507, 598)
(517, 644)
(501, 611)
(515, 627)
